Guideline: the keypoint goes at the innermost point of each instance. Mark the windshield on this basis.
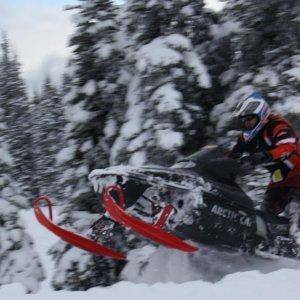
(211, 162)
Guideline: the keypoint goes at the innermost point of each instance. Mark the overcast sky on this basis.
(38, 31)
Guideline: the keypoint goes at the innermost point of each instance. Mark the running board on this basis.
(71, 237)
(153, 232)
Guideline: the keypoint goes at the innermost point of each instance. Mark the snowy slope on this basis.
(283, 284)
(196, 277)
(43, 239)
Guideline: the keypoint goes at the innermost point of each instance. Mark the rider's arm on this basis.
(238, 149)
(285, 141)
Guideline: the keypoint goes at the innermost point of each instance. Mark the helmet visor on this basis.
(248, 122)
(251, 108)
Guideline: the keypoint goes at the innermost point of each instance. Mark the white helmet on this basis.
(253, 105)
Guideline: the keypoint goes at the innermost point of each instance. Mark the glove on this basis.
(255, 159)
(260, 158)
(246, 163)
(234, 155)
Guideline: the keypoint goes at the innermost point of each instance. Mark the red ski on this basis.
(71, 237)
(153, 232)
(117, 212)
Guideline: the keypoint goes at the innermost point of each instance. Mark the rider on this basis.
(271, 141)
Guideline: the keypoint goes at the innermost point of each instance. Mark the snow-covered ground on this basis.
(283, 284)
(172, 275)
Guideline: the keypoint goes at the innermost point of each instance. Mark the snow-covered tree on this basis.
(14, 103)
(169, 93)
(266, 57)
(10, 189)
(18, 261)
(15, 243)
(47, 125)
(94, 95)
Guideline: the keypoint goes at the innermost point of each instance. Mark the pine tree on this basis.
(169, 94)
(266, 55)
(47, 133)
(15, 243)
(14, 103)
(94, 92)
(10, 189)
(266, 50)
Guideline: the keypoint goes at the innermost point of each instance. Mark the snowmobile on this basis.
(196, 201)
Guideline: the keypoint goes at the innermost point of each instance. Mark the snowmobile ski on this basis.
(153, 232)
(71, 237)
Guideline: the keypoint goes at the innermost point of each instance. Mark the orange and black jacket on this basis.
(278, 139)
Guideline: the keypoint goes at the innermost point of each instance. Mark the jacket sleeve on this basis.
(285, 142)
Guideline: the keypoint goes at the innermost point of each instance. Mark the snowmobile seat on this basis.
(233, 195)
(211, 163)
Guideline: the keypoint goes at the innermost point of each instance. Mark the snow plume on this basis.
(152, 265)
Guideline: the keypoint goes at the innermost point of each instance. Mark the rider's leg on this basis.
(275, 200)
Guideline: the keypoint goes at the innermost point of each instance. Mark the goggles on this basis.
(248, 122)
